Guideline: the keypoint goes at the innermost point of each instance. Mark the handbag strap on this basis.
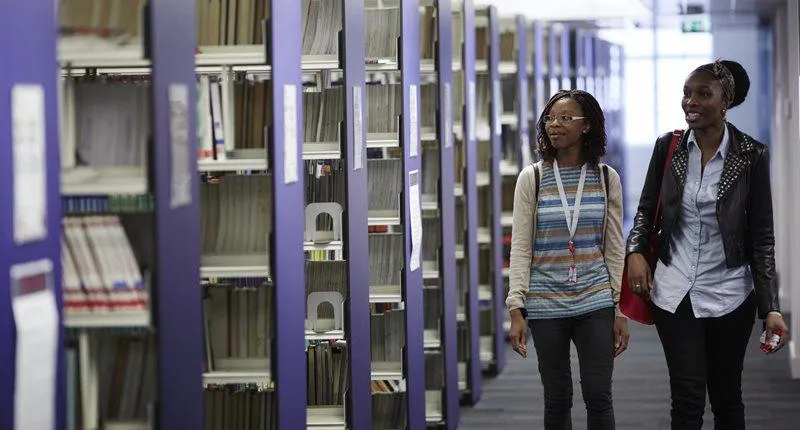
(676, 137)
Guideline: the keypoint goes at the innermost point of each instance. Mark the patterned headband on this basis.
(725, 78)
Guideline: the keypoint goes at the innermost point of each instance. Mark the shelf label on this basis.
(358, 130)
(290, 152)
(415, 209)
(497, 103)
(29, 163)
(182, 171)
(471, 109)
(33, 305)
(448, 116)
(413, 120)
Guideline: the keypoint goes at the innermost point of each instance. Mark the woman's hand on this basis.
(621, 335)
(640, 278)
(775, 321)
(518, 333)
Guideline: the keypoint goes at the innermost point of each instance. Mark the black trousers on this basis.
(706, 353)
(593, 335)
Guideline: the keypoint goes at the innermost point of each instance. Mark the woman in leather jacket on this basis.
(716, 265)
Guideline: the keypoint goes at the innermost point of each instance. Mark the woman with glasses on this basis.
(716, 262)
(567, 253)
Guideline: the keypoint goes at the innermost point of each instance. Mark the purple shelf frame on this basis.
(33, 55)
(588, 52)
(471, 203)
(357, 319)
(447, 211)
(498, 286)
(567, 70)
(578, 57)
(177, 298)
(553, 72)
(287, 257)
(522, 88)
(414, 353)
(539, 77)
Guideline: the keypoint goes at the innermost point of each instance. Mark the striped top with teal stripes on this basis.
(550, 294)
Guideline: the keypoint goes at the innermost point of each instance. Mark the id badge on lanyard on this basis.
(571, 215)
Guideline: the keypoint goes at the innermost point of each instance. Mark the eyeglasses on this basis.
(561, 118)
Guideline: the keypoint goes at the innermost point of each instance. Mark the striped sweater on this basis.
(540, 257)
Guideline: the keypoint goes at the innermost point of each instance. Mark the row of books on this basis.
(240, 407)
(231, 22)
(118, 19)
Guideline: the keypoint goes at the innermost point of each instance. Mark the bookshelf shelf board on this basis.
(462, 385)
(486, 346)
(509, 119)
(114, 319)
(234, 266)
(481, 66)
(335, 245)
(97, 52)
(382, 65)
(433, 406)
(383, 140)
(321, 151)
(234, 55)
(508, 169)
(456, 65)
(484, 235)
(507, 67)
(427, 66)
(483, 132)
(385, 294)
(461, 316)
(487, 357)
(484, 292)
(428, 134)
(386, 370)
(458, 190)
(320, 62)
(483, 179)
(233, 164)
(506, 272)
(458, 130)
(378, 217)
(429, 203)
(328, 335)
(223, 377)
(507, 219)
(459, 252)
(430, 274)
(127, 425)
(325, 418)
(432, 339)
(91, 181)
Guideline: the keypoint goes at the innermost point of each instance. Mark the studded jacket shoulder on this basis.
(744, 209)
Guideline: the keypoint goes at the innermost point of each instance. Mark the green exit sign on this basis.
(696, 24)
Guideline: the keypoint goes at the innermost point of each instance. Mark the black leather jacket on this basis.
(744, 209)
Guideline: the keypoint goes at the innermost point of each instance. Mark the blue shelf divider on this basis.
(177, 298)
(357, 319)
(540, 76)
(288, 361)
(447, 263)
(30, 61)
(524, 151)
(414, 360)
(496, 231)
(567, 66)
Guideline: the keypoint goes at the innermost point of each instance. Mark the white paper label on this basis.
(290, 154)
(471, 110)
(448, 116)
(413, 120)
(497, 102)
(182, 172)
(33, 304)
(358, 132)
(30, 163)
(415, 210)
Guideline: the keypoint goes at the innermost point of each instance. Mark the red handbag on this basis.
(631, 305)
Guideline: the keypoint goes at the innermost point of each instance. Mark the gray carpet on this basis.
(514, 400)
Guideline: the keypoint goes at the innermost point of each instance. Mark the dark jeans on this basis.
(706, 352)
(593, 335)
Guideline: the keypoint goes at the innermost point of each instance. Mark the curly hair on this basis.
(594, 142)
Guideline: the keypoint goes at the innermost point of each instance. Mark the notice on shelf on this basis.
(415, 209)
(182, 170)
(358, 130)
(413, 120)
(471, 108)
(497, 105)
(448, 116)
(290, 153)
(33, 305)
(29, 163)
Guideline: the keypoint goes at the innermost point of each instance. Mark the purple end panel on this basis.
(444, 69)
(566, 63)
(539, 78)
(287, 255)
(523, 103)
(31, 60)
(357, 319)
(177, 298)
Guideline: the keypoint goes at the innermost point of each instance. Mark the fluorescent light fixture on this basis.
(571, 10)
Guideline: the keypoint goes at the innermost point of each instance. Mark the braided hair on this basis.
(594, 141)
